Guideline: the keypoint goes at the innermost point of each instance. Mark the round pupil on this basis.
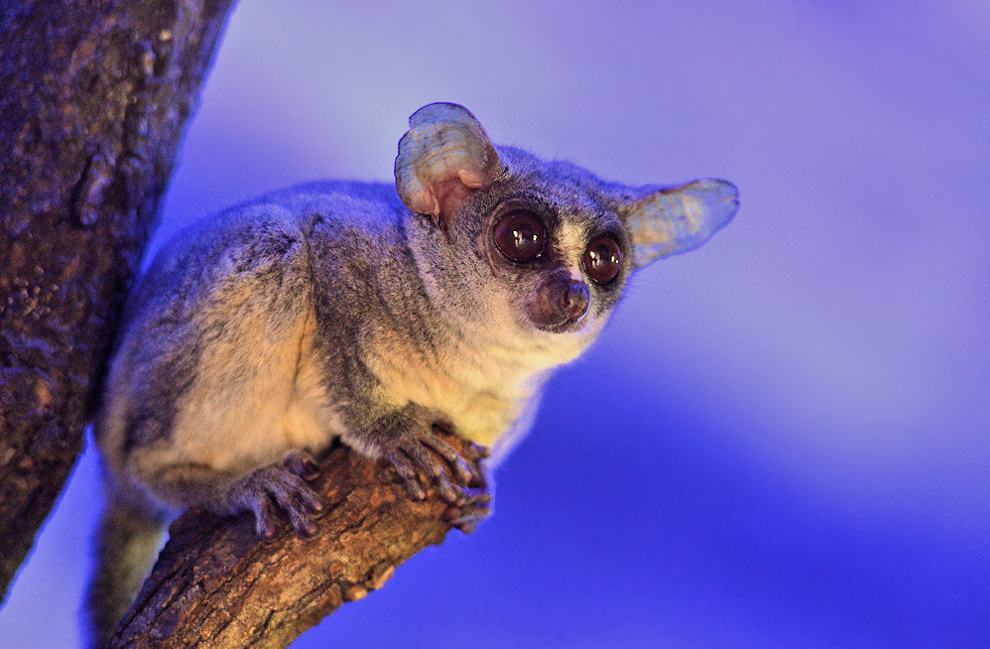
(603, 259)
(520, 236)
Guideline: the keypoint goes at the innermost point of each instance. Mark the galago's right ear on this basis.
(678, 219)
(443, 158)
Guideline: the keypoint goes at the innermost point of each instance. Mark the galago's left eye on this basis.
(603, 259)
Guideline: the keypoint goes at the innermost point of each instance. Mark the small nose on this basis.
(574, 301)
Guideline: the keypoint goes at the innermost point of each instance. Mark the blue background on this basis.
(781, 440)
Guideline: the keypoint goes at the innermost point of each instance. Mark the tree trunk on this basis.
(94, 96)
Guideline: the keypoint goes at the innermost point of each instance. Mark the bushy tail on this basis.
(126, 544)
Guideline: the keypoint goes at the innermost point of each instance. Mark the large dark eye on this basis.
(603, 259)
(520, 236)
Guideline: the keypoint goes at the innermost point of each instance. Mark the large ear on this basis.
(443, 158)
(678, 219)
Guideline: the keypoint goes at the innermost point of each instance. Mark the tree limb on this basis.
(217, 584)
(94, 97)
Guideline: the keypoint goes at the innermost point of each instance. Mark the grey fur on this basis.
(332, 310)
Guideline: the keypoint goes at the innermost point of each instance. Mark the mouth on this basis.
(567, 325)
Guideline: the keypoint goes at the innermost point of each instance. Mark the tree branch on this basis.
(216, 584)
(94, 97)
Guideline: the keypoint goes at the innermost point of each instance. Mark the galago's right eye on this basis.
(521, 236)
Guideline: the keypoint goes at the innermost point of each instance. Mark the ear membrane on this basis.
(443, 158)
(678, 219)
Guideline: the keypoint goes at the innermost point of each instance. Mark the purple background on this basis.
(781, 440)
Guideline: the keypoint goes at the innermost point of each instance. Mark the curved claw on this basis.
(302, 464)
(478, 452)
(266, 520)
(463, 473)
(449, 492)
(421, 462)
(405, 468)
(468, 514)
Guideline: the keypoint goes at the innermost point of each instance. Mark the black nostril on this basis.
(575, 299)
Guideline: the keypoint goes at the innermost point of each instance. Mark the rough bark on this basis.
(216, 584)
(94, 96)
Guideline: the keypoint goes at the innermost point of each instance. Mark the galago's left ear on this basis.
(678, 219)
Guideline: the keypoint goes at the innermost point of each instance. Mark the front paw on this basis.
(282, 486)
(412, 445)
